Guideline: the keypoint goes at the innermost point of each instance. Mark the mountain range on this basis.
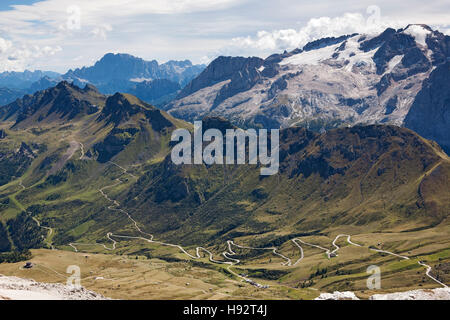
(364, 125)
(153, 82)
(14, 85)
(344, 175)
(332, 82)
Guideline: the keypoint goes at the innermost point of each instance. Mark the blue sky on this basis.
(6, 4)
(62, 34)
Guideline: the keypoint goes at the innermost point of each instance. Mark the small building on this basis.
(28, 265)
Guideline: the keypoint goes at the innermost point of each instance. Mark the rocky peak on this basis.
(221, 69)
(330, 82)
(121, 107)
(90, 88)
(325, 42)
(424, 26)
(375, 42)
(65, 99)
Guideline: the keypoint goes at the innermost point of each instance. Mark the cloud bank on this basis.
(268, 42)
(61, 34)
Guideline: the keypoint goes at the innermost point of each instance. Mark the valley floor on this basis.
(138, 277)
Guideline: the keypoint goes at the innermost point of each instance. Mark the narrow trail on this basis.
(327, 251)
(82, 151)
(428, 268)
(349, 241)
(124, 170)
(301, 251)
(390, 253)
(273, 249)
(49, 230)
(430, 276)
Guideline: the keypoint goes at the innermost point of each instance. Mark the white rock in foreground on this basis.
(13, 288)
(346, 295)
(421, 294)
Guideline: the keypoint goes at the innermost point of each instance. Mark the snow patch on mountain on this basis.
(337, 295)
(393, 63)
(139, 80)
(313, 57)
(419, 33)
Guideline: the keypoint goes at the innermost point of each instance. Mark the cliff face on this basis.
(221, 69)
(430, 112)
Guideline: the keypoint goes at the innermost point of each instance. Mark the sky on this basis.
(58, 35)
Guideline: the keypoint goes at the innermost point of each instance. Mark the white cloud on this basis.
(4, 45)
(101, 31)
(316, 28)
(18, 58)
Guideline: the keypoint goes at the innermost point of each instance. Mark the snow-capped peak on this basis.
(419, 32)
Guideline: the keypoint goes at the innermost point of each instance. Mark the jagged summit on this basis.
(65, 101)
(121, 108)
(422, 25)
(90, 87)
(115, 69)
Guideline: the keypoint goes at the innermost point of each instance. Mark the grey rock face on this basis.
(430, 112)
(222, 68)
(157, 91)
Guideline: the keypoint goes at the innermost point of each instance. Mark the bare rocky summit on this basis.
(13, 288)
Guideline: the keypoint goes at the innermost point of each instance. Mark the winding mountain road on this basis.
(82, 151)
(115, 206)
(273, 249)
(49, 230)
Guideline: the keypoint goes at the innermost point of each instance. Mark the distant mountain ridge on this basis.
(127, 67)
(14, 85)
(153, 82)
(126, 73)
(23, 80)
